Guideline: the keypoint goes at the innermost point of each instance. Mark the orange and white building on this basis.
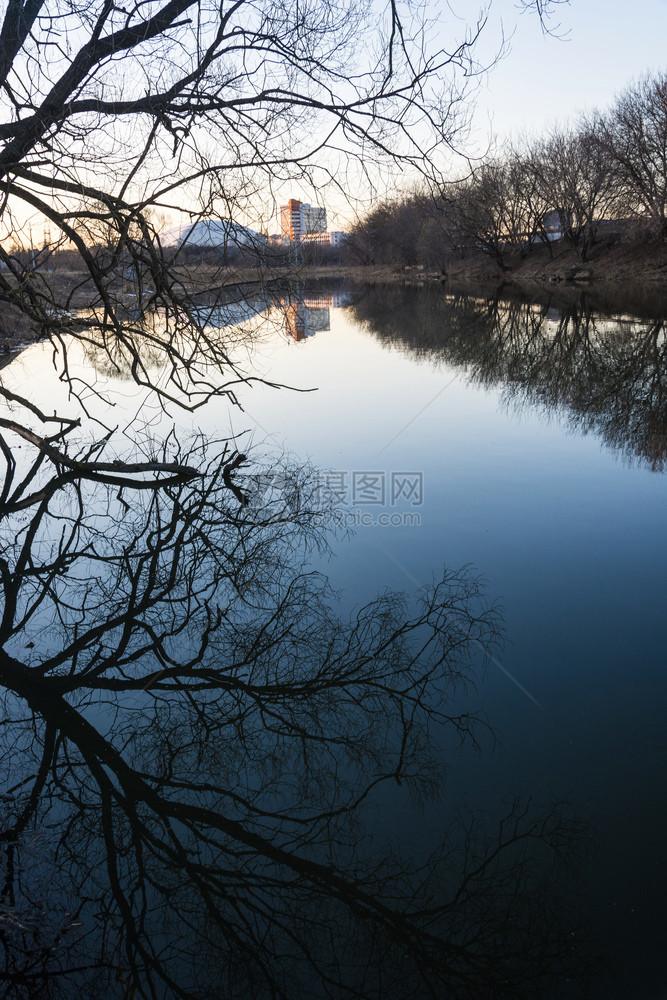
(297, 220)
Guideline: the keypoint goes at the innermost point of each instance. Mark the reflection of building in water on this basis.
(305, 321)
(334, 301)
(311, 314)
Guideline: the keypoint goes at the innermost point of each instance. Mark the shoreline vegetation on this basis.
(584, 204)
(620, 266)
(628, 278)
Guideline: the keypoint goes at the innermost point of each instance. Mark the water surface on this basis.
(524, 441)
(539, 436)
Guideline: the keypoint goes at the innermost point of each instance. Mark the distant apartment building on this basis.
(298, 220)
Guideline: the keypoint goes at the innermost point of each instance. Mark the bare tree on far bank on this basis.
(603, 179)
(634, 134)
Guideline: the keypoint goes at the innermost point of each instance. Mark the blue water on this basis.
(571, 538)
(565, 523)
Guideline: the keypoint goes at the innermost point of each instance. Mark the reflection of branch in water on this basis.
(609, 376)
(196, 734)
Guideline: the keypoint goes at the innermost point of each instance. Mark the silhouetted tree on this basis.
(485, 211)
(198, 106)
(193, 735)
(576, 172)
(634, 134)
(416, 228)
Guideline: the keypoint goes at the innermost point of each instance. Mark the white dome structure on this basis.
(223, 234)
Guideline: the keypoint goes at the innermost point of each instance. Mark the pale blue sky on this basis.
(544, 80)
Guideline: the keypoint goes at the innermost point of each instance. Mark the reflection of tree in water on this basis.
(233, 321)
(191, 735)
(608, 376)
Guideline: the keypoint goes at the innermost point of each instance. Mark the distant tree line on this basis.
(605, 177)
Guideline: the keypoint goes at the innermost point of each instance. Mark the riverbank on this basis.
(614, 278)
(627, 278)
(644, 263)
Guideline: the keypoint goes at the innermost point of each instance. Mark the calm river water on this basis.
(529, 442)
